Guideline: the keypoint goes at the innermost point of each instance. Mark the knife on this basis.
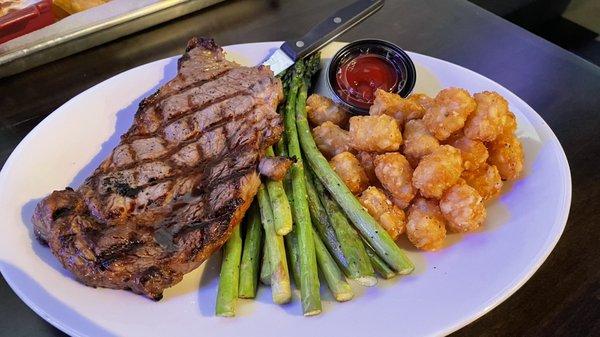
(336, 24)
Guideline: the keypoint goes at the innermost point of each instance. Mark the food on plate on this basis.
(418, 141)
(229, 276)
(375, 133)
(310, 295)
(510, 123)
(338, 235)
(422, 99)
(331, 139)
(506, 153)
(347, 166)
(250, 262)
(489, 118)
(462, 207)
(426, 225)
(448, 112)
(438, 171)
(275, 251)
(274, 168)
(395, 174)
(390, 216)
(402, 109)
(452, 159)
(321, 109)
(370, 230)
(178, 183)
(367, 160)
(473, 152)
(277, 168)
(485, 180)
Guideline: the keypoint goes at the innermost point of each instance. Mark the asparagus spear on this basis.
(265, 268)
(350, 242)
(282, 214)
(377, 237)
(229, 277)
(291, 243)
(291, 239)
(250, 265)
(309, 278)
(280, 278)
(334, 277)
(379, 265)
(324, 228)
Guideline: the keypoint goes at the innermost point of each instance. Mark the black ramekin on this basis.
(398, 57)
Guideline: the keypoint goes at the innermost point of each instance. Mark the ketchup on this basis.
(359, 77)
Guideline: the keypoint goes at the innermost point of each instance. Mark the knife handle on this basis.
(330, 28)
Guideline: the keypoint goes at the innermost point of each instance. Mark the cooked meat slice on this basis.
(177, 184)
(274, 168)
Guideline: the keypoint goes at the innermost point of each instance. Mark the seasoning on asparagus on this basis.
(250, 265)
(334, 277)
(265, 268)
(379, 265)
(229, 278)
(324, 229)
(350, 241)
(280, 278)
(309, 278)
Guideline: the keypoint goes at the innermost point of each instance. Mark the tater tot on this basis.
(488, 120)
(509, 123)
(426, 226)
(449, 111)
(367, 161)
(421, 99)
(485, 180)
(395, 174)
(331, 139)
(463, 208)
(418, 141)
(375, 133)
(402, 109)
(506, 153)
(391, 218)
(438, 171)
(322, 109)
(473, 152)
(348, 168)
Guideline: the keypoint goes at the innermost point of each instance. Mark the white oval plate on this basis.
(448, 289)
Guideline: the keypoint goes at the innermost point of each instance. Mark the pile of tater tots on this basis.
(422, 165)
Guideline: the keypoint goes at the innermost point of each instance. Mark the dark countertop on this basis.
(562, 298)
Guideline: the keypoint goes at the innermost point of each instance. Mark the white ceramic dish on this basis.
(448, 289)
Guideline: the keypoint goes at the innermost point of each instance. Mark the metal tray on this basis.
(90, 28)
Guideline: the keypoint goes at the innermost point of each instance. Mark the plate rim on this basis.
(541, 127)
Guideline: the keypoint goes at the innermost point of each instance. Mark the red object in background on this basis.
(26, 20)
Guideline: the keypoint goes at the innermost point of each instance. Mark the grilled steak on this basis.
(179, 181)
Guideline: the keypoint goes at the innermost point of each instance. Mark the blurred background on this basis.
(571, 24)
(36, 32)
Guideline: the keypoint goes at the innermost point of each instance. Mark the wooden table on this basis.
(562, 298)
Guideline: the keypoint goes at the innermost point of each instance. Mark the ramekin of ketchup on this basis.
(361, 67)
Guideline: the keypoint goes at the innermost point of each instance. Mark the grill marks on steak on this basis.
(181, 178)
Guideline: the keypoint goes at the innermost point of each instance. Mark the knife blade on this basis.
(321, 34)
